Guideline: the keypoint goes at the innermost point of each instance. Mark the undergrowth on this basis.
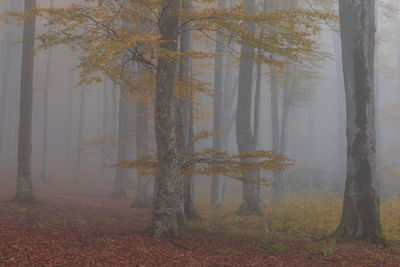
(308, 216)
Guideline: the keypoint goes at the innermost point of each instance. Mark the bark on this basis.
(82, 97)
(251, 202)
(45, 116)
(143, 198)
(279, 136)
(228, 112)
(377, 107)
(287, 91)
(46, 111)
(217, 180)
(106, 126)
(228, 97)
(166, 197)
(361, 206)
(68, 130)
(256, 112)
(6, 55)
(24, 191)
(186, 115)
(126, 121)
(188, 185)
(278, 188)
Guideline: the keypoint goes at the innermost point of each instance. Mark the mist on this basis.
(152, 132)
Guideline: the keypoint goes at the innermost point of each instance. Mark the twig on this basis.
(181, 246)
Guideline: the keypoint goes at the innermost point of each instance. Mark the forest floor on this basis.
(78, 225)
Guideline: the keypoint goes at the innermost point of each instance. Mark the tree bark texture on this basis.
(361, 206)
(126, 139)
(217, 180)
(245, 140)
(82, 101)
(6, 43)
(186, 113)
(167, 182)
(24, 191)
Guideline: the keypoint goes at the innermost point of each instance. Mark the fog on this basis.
(316, 124)
(87, 132)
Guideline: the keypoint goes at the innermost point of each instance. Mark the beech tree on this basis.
(217, 181)
(24, 192)
(46, 110)
(6, 54)
(245, 135)
(361, 206)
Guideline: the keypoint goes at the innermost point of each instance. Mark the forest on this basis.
(199, 133)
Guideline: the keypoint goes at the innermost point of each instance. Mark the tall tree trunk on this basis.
(45, 116)
(143, 198)
(24, 191)
(251, 202)
(6, 55)
(278, 188)
(166, 197)
(361, 206)
(45, 110)
(186, 113)
(82, 97)
(107, 132)
(217, 180)
(279, 137)
(68, 129)
(286, 103)
(379, 147)
(126, 121)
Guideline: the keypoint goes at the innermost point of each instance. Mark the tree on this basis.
(245, 135)
(185, 112)
(68, 118)
(24, 192)
(217, 181)
(45, 110)
(7, 52)
(82, 97)
(166, 195)
(361, 206)
(143, 198)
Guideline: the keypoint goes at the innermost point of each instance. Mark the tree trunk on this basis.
(106, 131)
(143, 197)
(361, 206)
(6, 55)
(251, 202)
(186, 114)
(217, 180)
(68, 130)
(24, 191)
(279, 137)
(82, 97)
(45, 111)
(45, 116)
(166, 197)
(126, 123)
(287, 91)
(379, 147)
(278, 188)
